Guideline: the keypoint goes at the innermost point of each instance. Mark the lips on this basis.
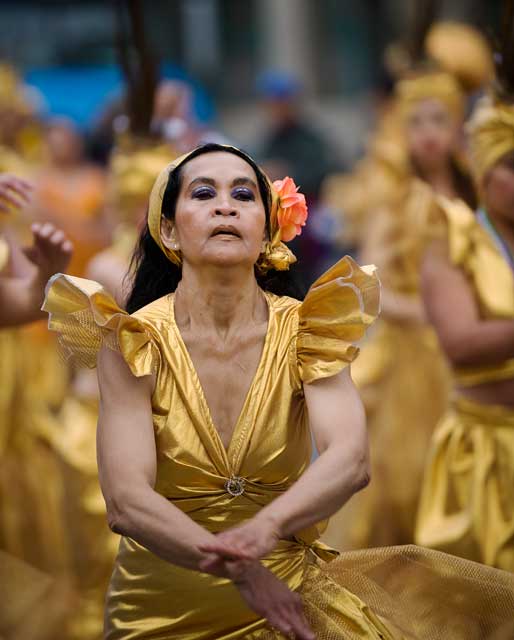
(226, 230)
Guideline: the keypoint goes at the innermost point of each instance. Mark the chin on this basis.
(230, 258)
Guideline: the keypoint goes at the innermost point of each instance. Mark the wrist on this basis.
(245, 572)
(270, 520)
(36, 287)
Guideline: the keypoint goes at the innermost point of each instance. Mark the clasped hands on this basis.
(236, 554)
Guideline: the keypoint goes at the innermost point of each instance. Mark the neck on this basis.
(441, 180)
(66, 166)
(220, 300)
(503, 226)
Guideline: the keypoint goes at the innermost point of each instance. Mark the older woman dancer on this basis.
(210, 391)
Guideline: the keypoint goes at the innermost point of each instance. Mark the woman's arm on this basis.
(466, 338)
(377, 248)
(127, 466)
(399, 307)
(338, 425)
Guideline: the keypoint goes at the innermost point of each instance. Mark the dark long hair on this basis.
(462, 182)
(153, 275)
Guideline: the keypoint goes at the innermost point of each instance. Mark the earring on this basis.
(174, 245)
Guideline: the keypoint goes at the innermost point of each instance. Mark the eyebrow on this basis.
(235, 182)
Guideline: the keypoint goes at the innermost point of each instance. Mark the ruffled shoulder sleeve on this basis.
(86, 318)
(335, 314)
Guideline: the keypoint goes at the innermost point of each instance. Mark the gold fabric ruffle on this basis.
(87, 318)
(336, 312)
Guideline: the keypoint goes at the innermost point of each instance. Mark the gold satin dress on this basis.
(467, 502)
(33, 605)
(269, 450)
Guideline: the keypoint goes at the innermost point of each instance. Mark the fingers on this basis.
(211, 563)
(224, 551)
(48, 233)
(214, 563)
(22, 187)
(13, 191)
(52, 249)
(7, 198)
(290, 620)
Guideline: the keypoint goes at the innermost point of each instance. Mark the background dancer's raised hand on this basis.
(14, 192)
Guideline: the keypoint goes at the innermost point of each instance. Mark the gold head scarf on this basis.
(133, 168)
(12, 94)
(462, 51)
(491, 135)
(275, 255)
(434, 85)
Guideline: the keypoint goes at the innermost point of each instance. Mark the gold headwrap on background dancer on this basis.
(463, 51)
(491, 135)
(276, 254)
(133, 168)
(433, 85)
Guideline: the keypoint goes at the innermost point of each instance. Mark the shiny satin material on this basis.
(467, 506)
(270, 447)
(468, 489)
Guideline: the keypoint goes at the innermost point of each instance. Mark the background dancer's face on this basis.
(432, 135)
(498, 189)
(220, 216)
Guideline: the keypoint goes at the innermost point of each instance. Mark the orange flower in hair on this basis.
(292, 209)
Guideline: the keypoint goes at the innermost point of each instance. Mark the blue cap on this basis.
(278, 84)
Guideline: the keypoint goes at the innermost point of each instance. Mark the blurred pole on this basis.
(201, 33)
(286, 37)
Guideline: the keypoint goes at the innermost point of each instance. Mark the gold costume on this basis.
(467, 504)
(269, 450)
(401, 373)
(403, 378)
(33, 382)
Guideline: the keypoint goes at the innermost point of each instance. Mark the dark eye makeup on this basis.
(239, 193)
(203, 193)
(243, 193)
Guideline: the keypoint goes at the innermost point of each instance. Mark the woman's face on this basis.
(498, 190)
(64, 144)
(220, 217)
(432, 134)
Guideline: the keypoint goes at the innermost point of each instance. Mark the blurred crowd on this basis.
(417, 179)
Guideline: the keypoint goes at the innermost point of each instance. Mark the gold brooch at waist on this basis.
(235, 486)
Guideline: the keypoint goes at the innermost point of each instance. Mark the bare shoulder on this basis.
(115, 376)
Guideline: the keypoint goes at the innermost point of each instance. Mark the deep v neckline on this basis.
(231, 454)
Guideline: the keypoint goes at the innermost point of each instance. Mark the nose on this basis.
(226, 210)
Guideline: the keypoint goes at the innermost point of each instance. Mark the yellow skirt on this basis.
(467, 502)
(33, 606)
(394, 593)
(404, 381)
